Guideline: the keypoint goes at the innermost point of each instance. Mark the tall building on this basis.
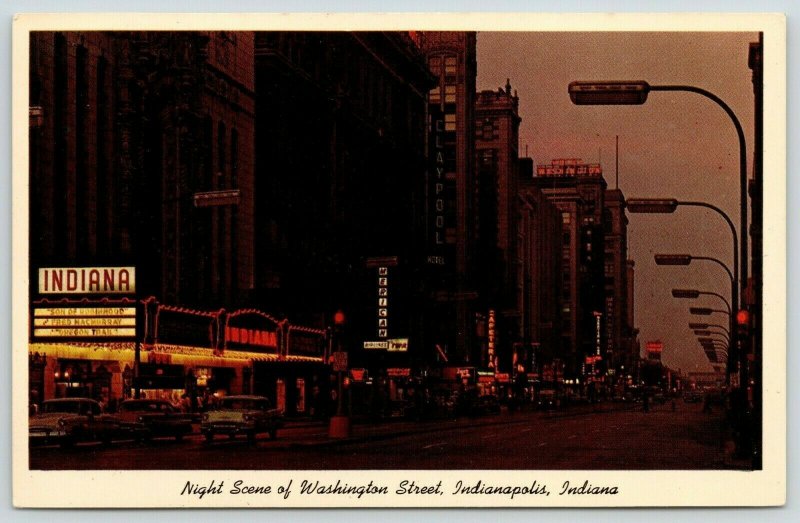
(497, 180)
(131, 128)
(578, 190)
(618, 272)
(143, 149)
(539, 234)
(341, 156)
(453, 319)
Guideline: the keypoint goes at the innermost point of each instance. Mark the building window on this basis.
(450, 93)
(450, 65)
(449, 122)
(234, 159)
(488, 131)
(435, 95)
(566, 218)
(435, 64)
(220, 155)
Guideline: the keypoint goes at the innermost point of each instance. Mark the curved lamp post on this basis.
(709, 325)
(670, 205)
(694, 293)
(686, 259)
(706, 311)
(634, 92)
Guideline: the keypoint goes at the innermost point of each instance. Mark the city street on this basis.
(606, 436)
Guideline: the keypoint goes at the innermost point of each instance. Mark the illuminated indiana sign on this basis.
(260, 338)
(87, 280)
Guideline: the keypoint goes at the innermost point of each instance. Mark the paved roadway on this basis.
(603, 437)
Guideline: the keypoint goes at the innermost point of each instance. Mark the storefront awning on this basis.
(121, 352)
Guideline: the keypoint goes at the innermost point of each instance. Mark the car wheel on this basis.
(251, 438)
(67, 443)
(273, 433)
(209, 437)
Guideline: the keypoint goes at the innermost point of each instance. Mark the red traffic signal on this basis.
(339, 318)
(743, 318)
(742, 324)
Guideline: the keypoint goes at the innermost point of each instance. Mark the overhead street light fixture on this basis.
(651, 205)
(695, 293)
(673, 259)
(634, 92)
(704, 326)
(609, 93)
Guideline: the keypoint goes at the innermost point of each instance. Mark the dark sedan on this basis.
(149, 419)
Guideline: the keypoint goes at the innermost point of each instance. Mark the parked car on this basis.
(147, 419)
(247, 415)
(67, 421)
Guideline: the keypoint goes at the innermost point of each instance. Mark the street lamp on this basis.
(686, 259)
(709, 325)
(635, 92)
(694, 293)
(670, 205)
(706, 311)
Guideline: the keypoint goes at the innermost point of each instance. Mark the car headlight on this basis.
(140, 419)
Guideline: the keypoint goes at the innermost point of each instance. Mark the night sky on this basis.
(677, 145)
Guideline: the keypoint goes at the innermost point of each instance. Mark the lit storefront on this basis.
(111, 349)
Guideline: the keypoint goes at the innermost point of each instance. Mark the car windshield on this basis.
(71, 407)
(243, 404)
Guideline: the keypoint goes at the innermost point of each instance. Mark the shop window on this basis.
(280, 395)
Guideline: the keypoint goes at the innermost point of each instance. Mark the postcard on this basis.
(414, 260)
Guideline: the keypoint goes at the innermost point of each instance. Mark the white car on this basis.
(247, 415)
(67, 421)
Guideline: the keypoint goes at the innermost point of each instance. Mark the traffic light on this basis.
(742, 324)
